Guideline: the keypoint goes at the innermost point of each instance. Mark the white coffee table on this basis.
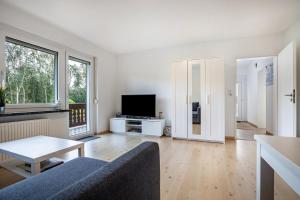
(34, 150)
(280, 155)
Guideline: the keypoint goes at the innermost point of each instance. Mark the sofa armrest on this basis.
(135, 175)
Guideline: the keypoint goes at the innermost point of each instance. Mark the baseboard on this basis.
(230, 138)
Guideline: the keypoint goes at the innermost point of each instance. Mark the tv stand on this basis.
(145, 126)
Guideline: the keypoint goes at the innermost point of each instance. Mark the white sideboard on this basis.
(154, 127)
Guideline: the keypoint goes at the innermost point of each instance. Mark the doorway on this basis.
(79, 90)
(256, 97)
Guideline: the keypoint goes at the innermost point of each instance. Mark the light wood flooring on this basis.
(190, 169)
(246, 131)
(244, 125)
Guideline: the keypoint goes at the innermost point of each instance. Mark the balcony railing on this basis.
(77, 115)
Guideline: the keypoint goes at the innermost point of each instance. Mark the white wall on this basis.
(106, 61)
(150, 71)
(252, 86)
(293, 34)
(261, 106)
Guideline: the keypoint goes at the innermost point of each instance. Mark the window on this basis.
(30, 73)
(77, 80)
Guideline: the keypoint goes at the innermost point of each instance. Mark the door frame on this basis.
(91, 106)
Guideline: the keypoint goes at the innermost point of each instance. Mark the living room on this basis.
(145, 94)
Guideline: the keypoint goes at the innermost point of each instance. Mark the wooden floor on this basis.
(245, 134)
(190, 169)
(246, 131)
(244, 125)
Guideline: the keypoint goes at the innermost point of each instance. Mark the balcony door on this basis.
(79, 95)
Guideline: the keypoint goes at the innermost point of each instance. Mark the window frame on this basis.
(38, 47)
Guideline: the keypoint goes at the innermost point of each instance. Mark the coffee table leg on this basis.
(35, 168)
(81, 151)
(264, 178)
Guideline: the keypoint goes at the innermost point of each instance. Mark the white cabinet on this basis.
(198, 102)
(154, 127)
(117, 125)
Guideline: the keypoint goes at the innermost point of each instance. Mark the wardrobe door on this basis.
(179, 99)
(196, 97)
(215, 100)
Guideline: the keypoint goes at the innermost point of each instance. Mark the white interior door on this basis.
(238, 93)
(179, 99)
(241, 98)
(286, 91)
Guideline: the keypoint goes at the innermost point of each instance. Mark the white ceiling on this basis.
(123, 26)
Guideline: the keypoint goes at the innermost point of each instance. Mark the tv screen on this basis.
(138, 105)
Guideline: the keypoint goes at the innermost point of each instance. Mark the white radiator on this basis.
(22, 129)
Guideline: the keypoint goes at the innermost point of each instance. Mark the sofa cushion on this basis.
(135, 176)
(42, 187)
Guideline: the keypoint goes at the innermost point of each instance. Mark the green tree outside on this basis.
(30, 76)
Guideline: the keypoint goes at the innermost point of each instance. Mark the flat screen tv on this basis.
(138, 105)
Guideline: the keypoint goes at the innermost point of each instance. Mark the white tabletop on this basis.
(36, 148)
(288, 147)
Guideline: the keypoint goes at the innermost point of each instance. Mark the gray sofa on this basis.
(135, 176)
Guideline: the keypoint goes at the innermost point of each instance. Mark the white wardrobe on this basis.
(198, 100)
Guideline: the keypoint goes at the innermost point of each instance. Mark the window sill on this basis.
(17, 113)
(32, 105)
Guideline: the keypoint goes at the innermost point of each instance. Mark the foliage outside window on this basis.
(30, 73)
(77, 80)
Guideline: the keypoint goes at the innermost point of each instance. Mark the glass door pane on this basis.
(78, 96)
(196, 99)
